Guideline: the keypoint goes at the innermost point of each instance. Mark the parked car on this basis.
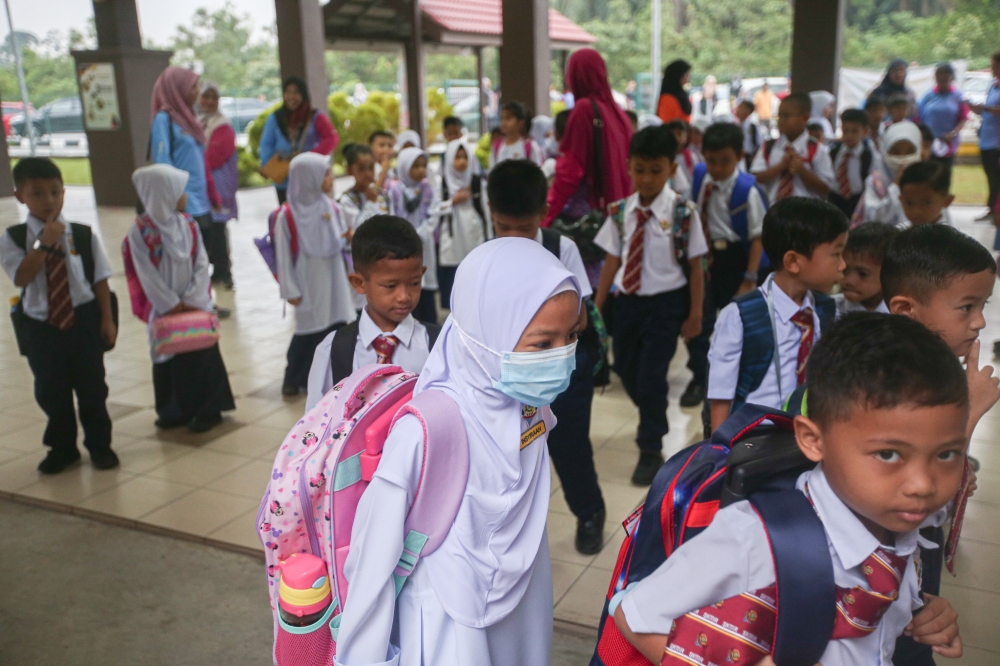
(241, 110)
(61, 115)
(10, 109)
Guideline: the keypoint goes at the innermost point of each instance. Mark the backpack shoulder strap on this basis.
(443, 476)
(527, 147)
(433, 331)
(739, 203)
(598, 188)
(826, 308)
(342, 351)
(616, 212)
(697, 178)
(813, 147)
(835, 150)
(477, 201)
(19, 234)
(768, 147)
(866, 160)
(293, 232)
(551, 240)
(193, 226)
(803, 569)
(82, 243)
(758, 345)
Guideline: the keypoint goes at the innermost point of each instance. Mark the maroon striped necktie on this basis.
(632, 278)
(843, 178)
(60, 300)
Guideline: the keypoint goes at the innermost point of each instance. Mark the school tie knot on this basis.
(632, 278)
(385, 347)
(803, 320)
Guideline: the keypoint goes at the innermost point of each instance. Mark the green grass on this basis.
(75, 170)
(968, 183)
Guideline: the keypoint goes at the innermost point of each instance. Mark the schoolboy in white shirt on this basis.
(854, 156)
(806, 239)
(388, 264)
(517, 194)
(861, 286)
(651, 244)
(887, 431)
(65, 321)
(794, 164)
(753, 134)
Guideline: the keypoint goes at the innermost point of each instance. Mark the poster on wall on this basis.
(100, 96)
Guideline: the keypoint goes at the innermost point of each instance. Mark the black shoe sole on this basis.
(66, 464)
(199, 426)
(104, 464)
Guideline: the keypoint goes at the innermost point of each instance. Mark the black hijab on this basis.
(299, 119)
(888, 87)
(671, 85)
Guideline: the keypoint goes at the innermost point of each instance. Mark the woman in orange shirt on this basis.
(674, 102)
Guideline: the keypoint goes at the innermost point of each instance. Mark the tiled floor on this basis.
(208, 486)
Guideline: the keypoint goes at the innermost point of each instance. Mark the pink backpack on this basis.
(323, 467)
(141, 307)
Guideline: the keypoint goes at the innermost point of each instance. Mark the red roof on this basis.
(485, 17)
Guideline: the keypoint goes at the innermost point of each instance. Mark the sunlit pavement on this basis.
(207, 487)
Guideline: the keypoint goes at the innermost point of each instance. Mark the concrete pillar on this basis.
(416, 96)
(524, 56)
(116, 153)
(483, 105)
(302, 45)
(817, 44)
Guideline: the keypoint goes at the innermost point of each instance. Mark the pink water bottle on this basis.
(304, 590)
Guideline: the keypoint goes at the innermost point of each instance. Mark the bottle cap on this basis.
(304, 588)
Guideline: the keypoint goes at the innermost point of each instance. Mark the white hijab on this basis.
(405, 137)
(405, 162)
(160, 187)
(540, 126)
(904, 130)
(315, 218)
(483, 567)
(820, 100)
(456, 180)
(648, 120)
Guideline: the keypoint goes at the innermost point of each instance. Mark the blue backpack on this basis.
(752, 456)
(738, 204)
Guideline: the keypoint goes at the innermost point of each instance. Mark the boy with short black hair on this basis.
(942, 278)
(388, 271)
(517, 192)
(64, 321)
(897, 105)
(451, 128)
(861, 286)
(888, 403)
(805, 240)
(853, 157)
(654, 242)
(383, 145)
(794, 164)
(753, 135)
(924, 193)
(875, 109)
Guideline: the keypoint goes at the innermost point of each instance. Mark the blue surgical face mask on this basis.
(533, 378)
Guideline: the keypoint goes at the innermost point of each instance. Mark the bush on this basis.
(248, 164)
(438, 109)
(389, 103)
(483, 150)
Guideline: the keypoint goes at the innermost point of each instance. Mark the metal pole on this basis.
(654, 54)
(28, 125)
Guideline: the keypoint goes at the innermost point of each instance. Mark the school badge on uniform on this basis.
(528, 412)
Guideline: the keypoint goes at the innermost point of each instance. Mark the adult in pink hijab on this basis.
(575, 177)
(171, 93)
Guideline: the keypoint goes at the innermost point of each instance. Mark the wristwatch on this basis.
(40, 246)
(750, 276)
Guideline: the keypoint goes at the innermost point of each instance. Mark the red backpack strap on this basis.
(528, 142)
(293, 233)
(496, 148)
(813, 147)
(194, 237)
(768, 147)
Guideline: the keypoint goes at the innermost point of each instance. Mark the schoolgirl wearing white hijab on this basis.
(901, 147)
(412, 197)
(463, 227)
(484, 596)
(193, 388)
(315, 279)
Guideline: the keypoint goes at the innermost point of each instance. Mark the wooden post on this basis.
(302, 45)
(817, 44)
(524, 55)
(415, 94)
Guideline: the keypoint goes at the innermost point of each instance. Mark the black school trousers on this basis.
(569, 442)
(64, 362)
(699, 345)
(216, 247)
(645, 339)
(991, 166)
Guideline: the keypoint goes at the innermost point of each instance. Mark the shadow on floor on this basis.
(77, 591)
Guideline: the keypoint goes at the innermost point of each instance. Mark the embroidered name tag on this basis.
(533, 433)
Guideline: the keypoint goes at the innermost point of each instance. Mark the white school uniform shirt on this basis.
(36, 296)
(680, 182)
(845, 306)
(727, 347)
(356, 209)
(464, 232)
(720, 224)
(517, 151)
(660, 270)
(854, 166)
(569, 255)
(411, 353)
(820, 165)
(748, 126)
(732, 556)
(321, 282)
(944, 219)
